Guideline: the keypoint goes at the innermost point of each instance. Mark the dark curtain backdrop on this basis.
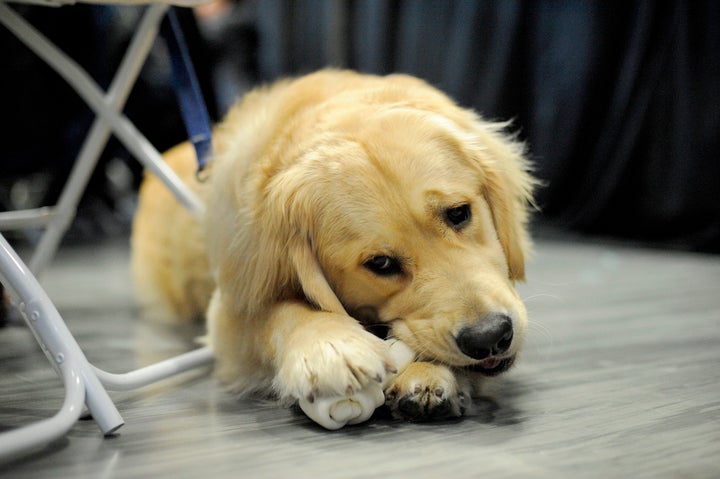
(619, 101)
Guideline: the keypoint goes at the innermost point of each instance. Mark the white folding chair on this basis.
(85, 385)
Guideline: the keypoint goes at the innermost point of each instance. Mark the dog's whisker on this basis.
(541, 295)
(541, 330)
(544, 335)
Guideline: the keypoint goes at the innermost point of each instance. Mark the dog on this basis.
(338, 202)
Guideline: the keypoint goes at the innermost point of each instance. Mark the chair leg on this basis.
(97, 138)
(59, 347)
(88, 90)
(155, 372)
(40, 433)
(84, 384)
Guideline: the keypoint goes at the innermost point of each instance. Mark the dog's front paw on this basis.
(330, 360)
(424, 391)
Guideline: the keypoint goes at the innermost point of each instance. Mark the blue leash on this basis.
(187, 88)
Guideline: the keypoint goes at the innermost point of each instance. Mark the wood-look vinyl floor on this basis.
(620, 377)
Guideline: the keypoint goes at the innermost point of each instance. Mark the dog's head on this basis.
(407, 217)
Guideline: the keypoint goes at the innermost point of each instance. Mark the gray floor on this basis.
(620, 378)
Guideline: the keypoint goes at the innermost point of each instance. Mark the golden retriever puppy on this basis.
(338, 202)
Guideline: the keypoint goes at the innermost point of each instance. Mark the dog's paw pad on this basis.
(424, 391)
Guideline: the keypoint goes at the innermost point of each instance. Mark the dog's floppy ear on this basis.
(299, 193)
(312, 280)
(507, 188)
(293, 206)
(261, 252)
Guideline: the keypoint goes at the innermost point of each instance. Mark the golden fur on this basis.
(312, 179)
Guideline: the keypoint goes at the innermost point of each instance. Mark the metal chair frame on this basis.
(85, 385)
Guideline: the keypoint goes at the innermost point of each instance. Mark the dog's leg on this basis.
(317, 353)
(296, 351)
(425, 390)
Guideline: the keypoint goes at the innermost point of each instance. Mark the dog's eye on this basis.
(383, 265)
(458, 217)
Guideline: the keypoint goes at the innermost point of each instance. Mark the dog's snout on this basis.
(488, 337)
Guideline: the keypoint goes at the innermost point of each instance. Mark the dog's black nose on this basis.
(490, 336)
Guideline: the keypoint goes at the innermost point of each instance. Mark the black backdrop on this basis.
(619, 101)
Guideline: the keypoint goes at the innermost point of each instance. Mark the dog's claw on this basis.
(312, 395)
(389, 368)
